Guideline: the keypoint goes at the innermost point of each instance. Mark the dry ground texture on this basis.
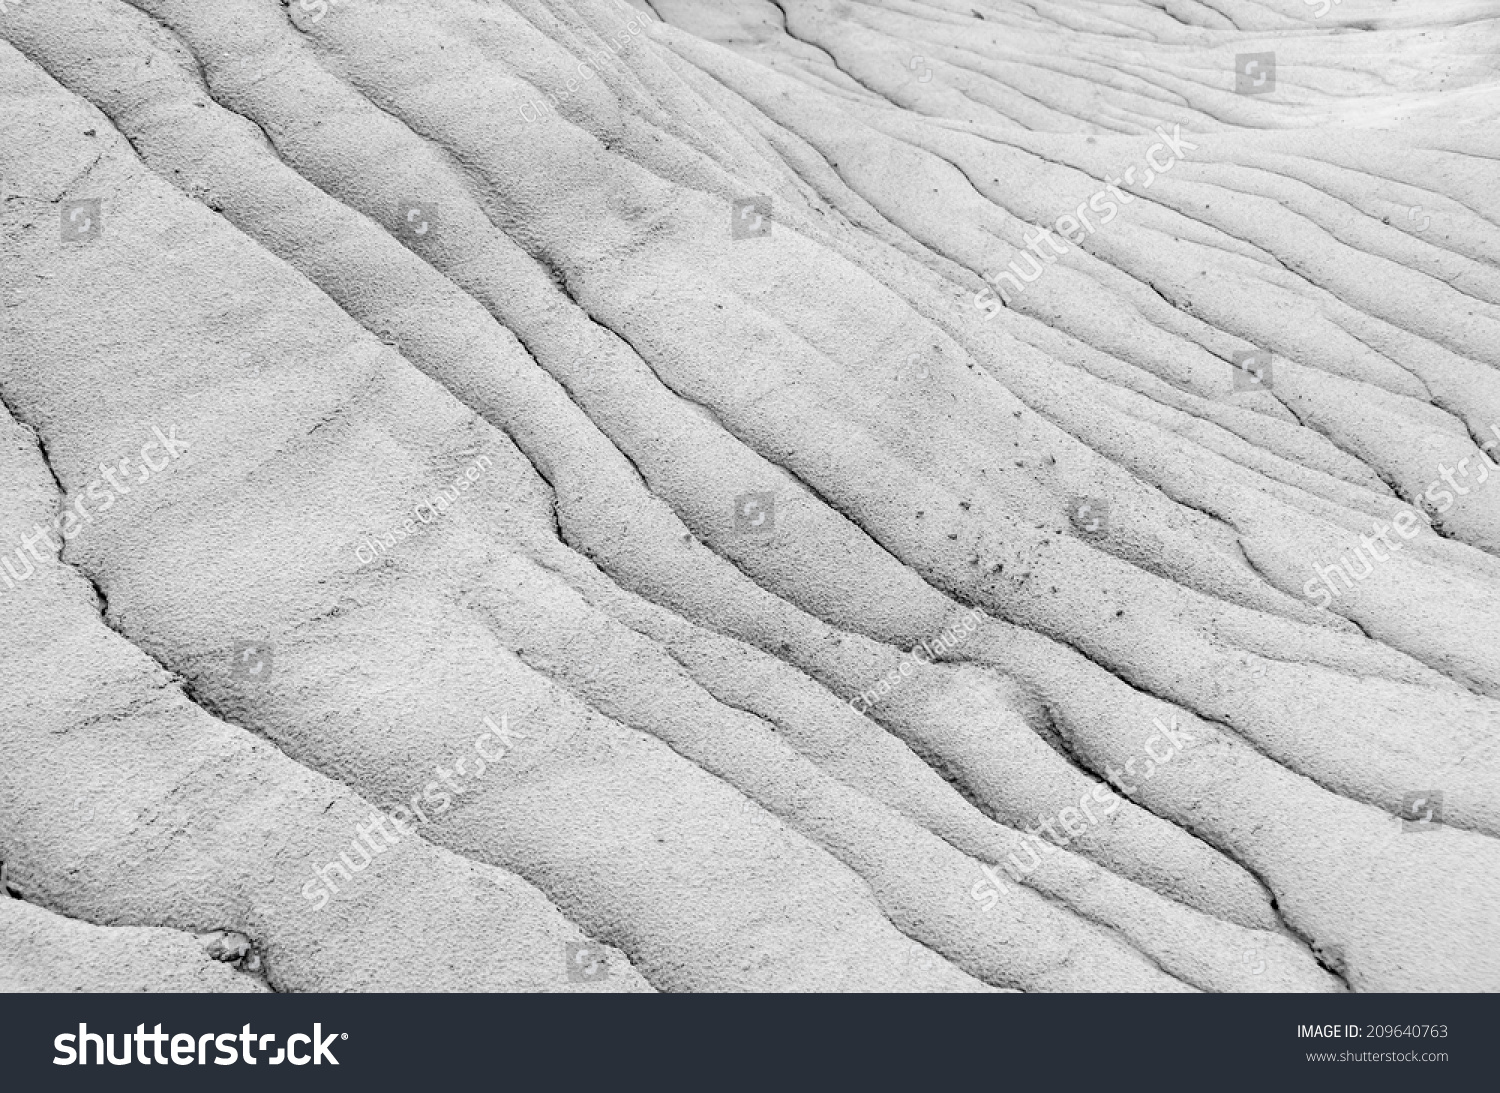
(605, 439)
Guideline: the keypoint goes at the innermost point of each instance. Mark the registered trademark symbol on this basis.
(344, 1035)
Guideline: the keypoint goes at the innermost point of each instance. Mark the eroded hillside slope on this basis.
(754, 496)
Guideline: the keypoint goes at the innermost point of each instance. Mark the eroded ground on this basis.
(569, 496)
